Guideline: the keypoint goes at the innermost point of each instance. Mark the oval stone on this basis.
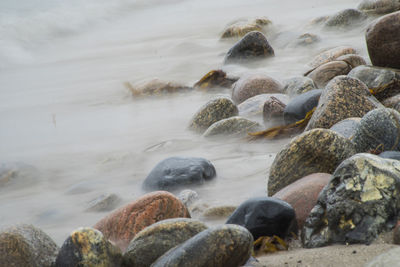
(300, 105)
(352, 60)
(347, 127)
(241, 27)
(330, 55)
(326, 72)
(232, 127)
(253, 106)
(379, 6)
(298, 85)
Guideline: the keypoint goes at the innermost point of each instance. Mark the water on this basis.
(64, 108)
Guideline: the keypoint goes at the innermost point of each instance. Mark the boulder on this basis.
(347, 127)
(379, 6)
(104, 202)
(232, 127)
(300, 105)
(241, 27)
(253, 107)
(298, 85)
(392, 102)
(353, 60)
(346, 18)
(326, 72)
(387, 259)
(331, 55)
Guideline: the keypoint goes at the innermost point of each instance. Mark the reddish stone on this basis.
(123, 224)
(303, 194)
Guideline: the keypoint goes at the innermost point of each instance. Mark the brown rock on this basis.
(396, 234)
(352, 60)
(379, 6)
(123, 224)
(326, 72)
(330, 55)
(241, 27)
(273, 110)
(156, 87)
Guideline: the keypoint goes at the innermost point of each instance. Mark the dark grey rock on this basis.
(232, 127)
(387, 259)
(326, 72)
(346, 127)
(390, 155)
(379, 6)
(104, 202)
(346, 18)
(298, 85)
(300, 105)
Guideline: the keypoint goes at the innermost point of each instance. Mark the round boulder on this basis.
(347, 127)
(346, 18)
(104, 202)
(298, 85)
(326, 72)
(331, 55)
(300, 105)
(232, 127)
(352, 60)
(379, 6)
(241, 27)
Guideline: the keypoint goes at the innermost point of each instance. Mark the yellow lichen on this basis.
(346, 224)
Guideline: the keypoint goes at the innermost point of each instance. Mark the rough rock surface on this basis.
(326, 72)
(298, 85)
(318, 150)
(392, 102)
(379, 6)
(346, 18)
(331, 55)
(233, 126)
(346, 127)
(300, 105)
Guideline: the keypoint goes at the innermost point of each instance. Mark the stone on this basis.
(254, 84)
(177, 172)
(392, 102)
(213, 111)
(396, 234)
(387, 259)
(264, 216)
(153, 241)
(14, 175)
(241, 27)
(232, 127)
(390, 155)
(88, 247)
(156, 87)
(215, 79)
(347, 127)
(104, 202)
(253, 46)
(346, 18)
(331, 55)
(300, 105)
(220, 246)
(353, 60)
(221, 212)
(326, 72)
(317, 150)
(298, 85)
(344, 97)
(383, 37)
(273, 111)
(188, 197)
(26, 246)
(379, 130)
(302, 195)
(379, 6)
(360, 202)
(123, 224)
(306, 39)
(252, 107)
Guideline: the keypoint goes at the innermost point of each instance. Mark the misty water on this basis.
(65, 110)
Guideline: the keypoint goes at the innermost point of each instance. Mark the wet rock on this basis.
(88, 247)
(326, 72)
(252, 46)
(241, 27)
(387, 259)
(331, 55)
(300, 105)
(253, 106)
(254, 84)
(188, 197)
(176, 172)
(379, 130)
(15, 175)
(273, 111)
(318, 21)
(104, 202)
(226, 245)
(352, 60)
(153, 241)
(26, 246)
(302, 195)
(346, 18)
(298, 85)
(213, 111)
(383, 37)
(221, 212)
(123, 224)
(156, 87)
(264, 216)
(359, 203)
(390, 155)
(344, 97)
(379, 6)
(347, 127)
(392, 102)
(232, 127)
(306, 39)
(318, 150)
(215, 79)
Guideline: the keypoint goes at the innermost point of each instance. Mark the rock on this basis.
(347, 127)
(273, 111)
(221, 212)
(302, 195)
(176, 172)
(213, 111)
(264, 216)
(14, 175)
(344, 97)
(379, 6)
(253, 107)
(360, 202)
(300, 105)
(215, 79)
(396, 234)
(387, 259)
(26, 246)
(156, 87)
(318, 21)
(153, 241)
(383, 37)
(352, 60)
(326, 72)
(252, 46)
(392, 102)
(241, 27)
(188, 197)
(123, 224)
(318, 150)
(390, 155)
(232, 127)
(298, 85)
(346, 18)
(306, 39)
(88, 247)
(379, 130)
(225, 245)
(254, 84)
(104, 202)
(331, 55)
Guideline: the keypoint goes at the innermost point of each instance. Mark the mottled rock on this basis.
(346, 127)
(156, 87)
(379, 6)
(153, 241)
(14, 175)
(221, 246)
(387, 259)
(188, 197)
(215, 79)
(318, 150)
(26, 246)
(241, 27)
(359, 203)
(326, 72)
(264, 216)
(104, 202)
(352, 60)
(346, 18)
(232, 127)
(88, 247)
(123, 224)
(344, 97)
(331, 55)
(273, 111)
(252, 46)
(300, 105)
(302, 195)
(392, 102)
(383, 37)
(176, 172)
(298, 85)
(221, 212)
(390, 155)
(253, 106)
(306, 39)
(213, 111)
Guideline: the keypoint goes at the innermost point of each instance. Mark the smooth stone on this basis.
(317, 150)
(298, 85)
(221, 212)
(264, 216)
(383, 38)
(26, 246)
(104, 202)
(379, 130)
(331, 55)
(387, 259)
(302, 195)
(353, 60)
(220, 246)
(88, 247)
(241, 27)
(346, 127)
(156, 87)
(252, 46)
(123, 224)
(153, 241)
(390, 155)
(188, 197)
(346, 18)
(360, 202)
(176, 172)
(213, 111)
(379, 6)
(300, 105)
(253, 107)
(344, 97)
(232, 127)
(273, 111)
(326, 72)
(15, 175)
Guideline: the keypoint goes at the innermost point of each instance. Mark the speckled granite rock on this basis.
(346, 18)
(253, 106)
(343, 97)
(123, 224)
(213, 111)
(352, 60)
(104, 202)
(300, 105)
(153, 241)
(88, 247)
(241, 27)
(221, 246)
(331, 55)
(326, 72)
(387, 259)
(298, 85)
(379, 6)
(26, 246)
(232, 127)
(347, 127)
(392, 102)
(318, 150)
